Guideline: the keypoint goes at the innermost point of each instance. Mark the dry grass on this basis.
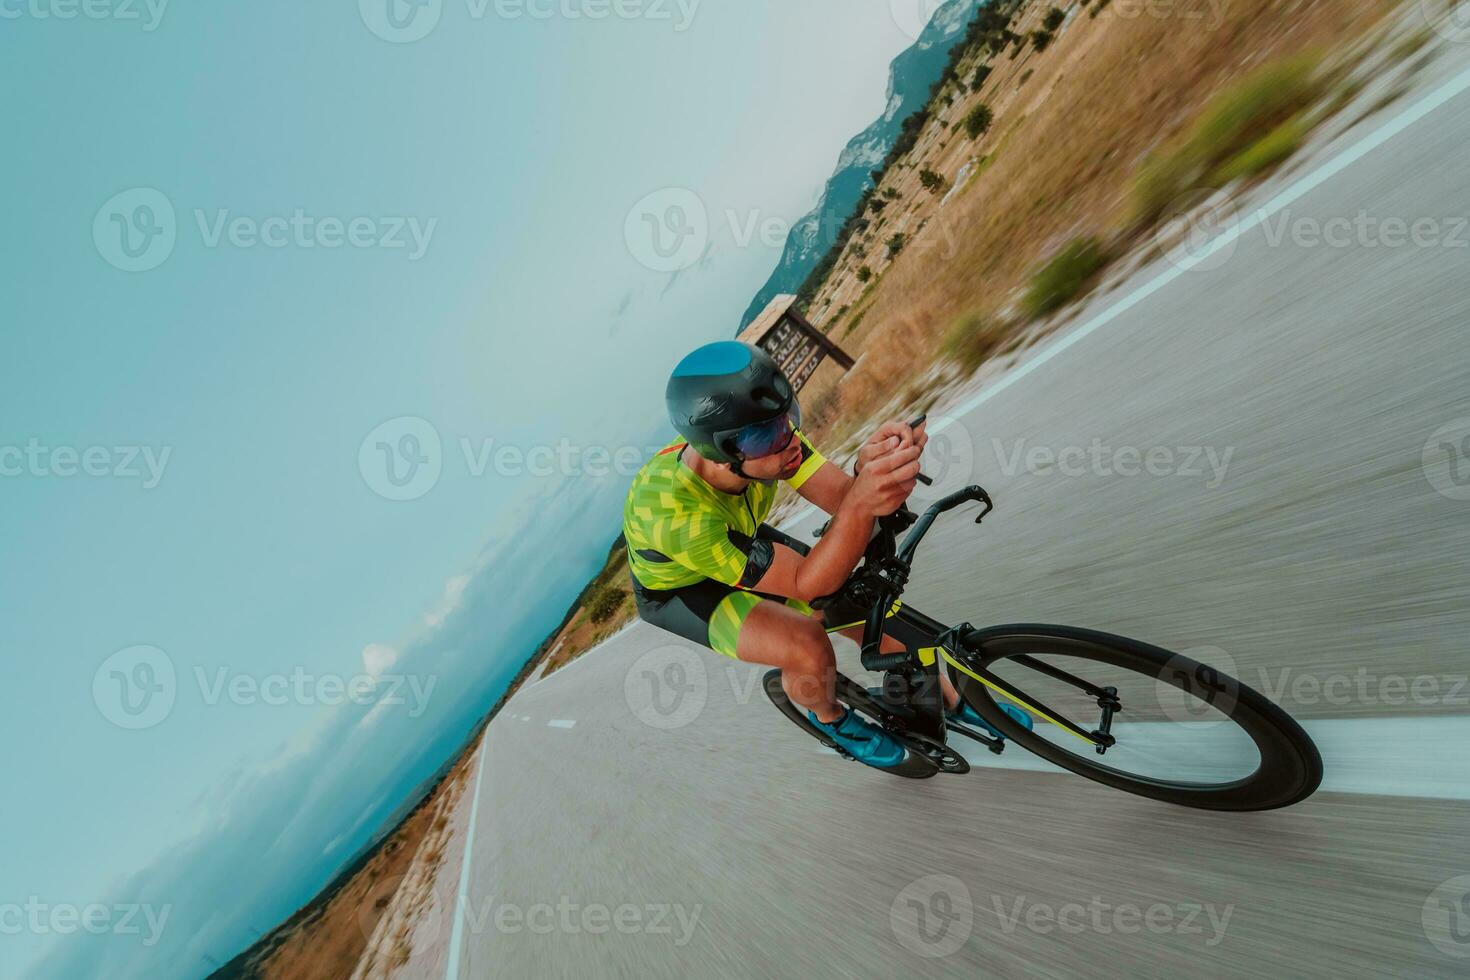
(332, 940)
(1060, 161)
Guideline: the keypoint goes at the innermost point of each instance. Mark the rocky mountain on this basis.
(909, 79)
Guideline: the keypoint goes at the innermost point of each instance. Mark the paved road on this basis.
(651, 829)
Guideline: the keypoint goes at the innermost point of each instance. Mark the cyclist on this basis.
(705, 567)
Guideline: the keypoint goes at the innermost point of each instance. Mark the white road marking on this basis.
(561, 723)
(1297, 189)
(462, 898)
(1406, 756)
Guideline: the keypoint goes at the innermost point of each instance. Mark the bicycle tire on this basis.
(1289, 769)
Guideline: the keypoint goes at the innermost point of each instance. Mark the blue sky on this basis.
(363, 233)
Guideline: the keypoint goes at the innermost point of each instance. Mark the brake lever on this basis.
(989, 506)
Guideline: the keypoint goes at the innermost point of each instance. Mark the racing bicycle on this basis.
(1119, 711)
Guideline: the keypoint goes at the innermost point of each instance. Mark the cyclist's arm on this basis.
(829, 484)
(826, 487)
(882, 488)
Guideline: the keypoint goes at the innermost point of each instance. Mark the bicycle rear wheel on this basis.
(1182, 732)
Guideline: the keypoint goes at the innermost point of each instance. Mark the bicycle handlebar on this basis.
(911, 543)
(872, 658)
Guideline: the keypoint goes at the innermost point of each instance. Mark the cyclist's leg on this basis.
(891, 645)
(755, 628)
(855, 633)
(794, 641)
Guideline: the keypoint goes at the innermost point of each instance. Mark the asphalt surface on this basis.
(646, 812)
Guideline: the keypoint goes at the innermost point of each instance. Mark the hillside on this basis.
(911, 77)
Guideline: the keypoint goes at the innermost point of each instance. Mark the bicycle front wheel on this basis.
(1176, 729)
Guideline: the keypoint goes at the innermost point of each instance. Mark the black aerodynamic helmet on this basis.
(732, 402)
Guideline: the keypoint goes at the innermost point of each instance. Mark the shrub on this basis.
(972, 338)
(1063, 278)
(981, 74)
(1041, 39)
(933, 181)
(1270, 150)
(1054, 18)
(605, 604)
(896, 243)
(864, 273)
(1254, 110)
(979, 120)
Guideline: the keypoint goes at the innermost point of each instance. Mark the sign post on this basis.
(796, 346)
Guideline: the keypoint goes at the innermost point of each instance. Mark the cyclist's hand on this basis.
(885, 482)
(891, 436)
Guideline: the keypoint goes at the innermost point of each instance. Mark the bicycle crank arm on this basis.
(992, 743)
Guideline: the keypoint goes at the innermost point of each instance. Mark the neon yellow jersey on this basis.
(680, 530)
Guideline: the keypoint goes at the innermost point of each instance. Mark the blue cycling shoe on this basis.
(862, 740)
(967, 715)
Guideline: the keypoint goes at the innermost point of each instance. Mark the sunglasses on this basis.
(763, 438)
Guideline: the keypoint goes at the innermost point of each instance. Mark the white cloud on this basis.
(377, 658)
(453, 592)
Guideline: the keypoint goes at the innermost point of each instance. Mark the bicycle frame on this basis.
(911, 690)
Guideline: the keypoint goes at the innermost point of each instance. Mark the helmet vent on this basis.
(767, 398)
